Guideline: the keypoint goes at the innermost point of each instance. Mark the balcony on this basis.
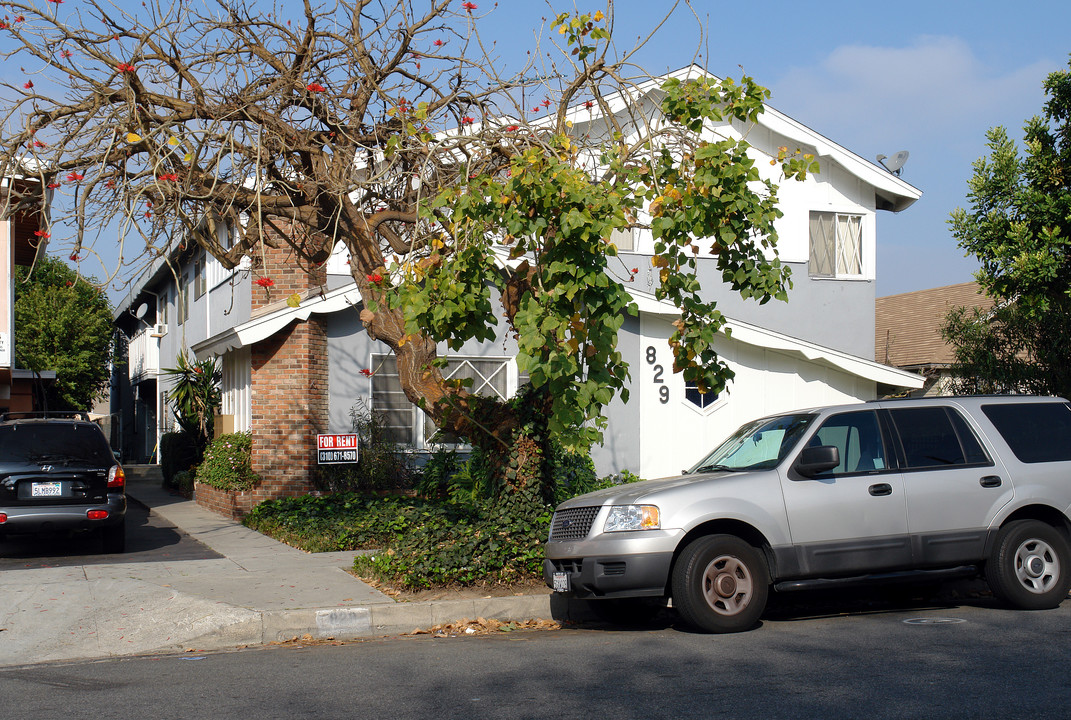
(143, 355)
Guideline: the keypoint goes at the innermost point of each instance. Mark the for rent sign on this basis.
(336, 449)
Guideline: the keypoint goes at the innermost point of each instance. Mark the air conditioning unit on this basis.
(158, 330)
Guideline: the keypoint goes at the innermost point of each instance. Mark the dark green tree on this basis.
(64, 323)
(1019, 228)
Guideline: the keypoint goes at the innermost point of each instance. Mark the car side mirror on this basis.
(815, 460)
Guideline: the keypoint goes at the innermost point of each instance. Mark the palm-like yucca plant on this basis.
(196, 395)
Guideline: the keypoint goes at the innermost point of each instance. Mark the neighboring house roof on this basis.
(907, 327)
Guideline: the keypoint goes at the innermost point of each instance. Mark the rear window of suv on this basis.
(1035, 432)
(54, 443)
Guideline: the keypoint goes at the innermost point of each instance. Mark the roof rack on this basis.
(46, 415)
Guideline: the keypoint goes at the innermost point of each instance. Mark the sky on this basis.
(927, 77)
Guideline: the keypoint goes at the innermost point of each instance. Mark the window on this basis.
(836, 245)
(936, 437)
(700, 400)
(624, 240)
(857, 436)
(1035, 432)
(161, 308)
(183, 300)
(402, 421)
(199, 276)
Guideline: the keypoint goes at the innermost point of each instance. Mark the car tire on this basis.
(1030, 565)
(720, 584)
(114, 538)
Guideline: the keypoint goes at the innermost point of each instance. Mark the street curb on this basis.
(353, 623)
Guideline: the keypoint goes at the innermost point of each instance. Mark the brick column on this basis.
(286, 269)
(289, 407)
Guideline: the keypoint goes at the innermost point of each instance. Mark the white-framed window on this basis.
(836, 245)
(236, 388)
(408, 425)
(703, 401)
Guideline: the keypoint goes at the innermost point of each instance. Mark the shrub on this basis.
(382, 465)
(178, 452)
(183, 481)
(227, 464)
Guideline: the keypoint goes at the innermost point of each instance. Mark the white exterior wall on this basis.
(676, 434)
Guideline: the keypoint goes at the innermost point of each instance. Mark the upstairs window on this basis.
(836, 242)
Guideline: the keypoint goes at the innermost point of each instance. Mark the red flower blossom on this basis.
(589, 104)
(546, 102)
(438, 43)
(512, 128)
(148, 214)
(65, 53)
(70, 284)
(366, 372)
(634, 270)
(39, 144)
(469, 6)
(467, 120)
(535, 109)
(20, 18)
(42, 234)
(53, 186)
(169, 176)
(375, 278)
(55, 1)
(110, 184)
(75, 177)
(125, 67)
(315, 87)
(74, 257)
(265, 282)
(4, 25)
(28, 85)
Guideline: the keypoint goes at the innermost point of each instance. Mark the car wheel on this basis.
(114, 537)
(720, 584)
(1030, 567)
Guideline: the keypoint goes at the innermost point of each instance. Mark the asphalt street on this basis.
(856, 659)
(149, 538)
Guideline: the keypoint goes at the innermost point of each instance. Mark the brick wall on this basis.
(287, 270)
(289, 390)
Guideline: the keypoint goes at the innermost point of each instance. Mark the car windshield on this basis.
(758, 445)
(54, 443)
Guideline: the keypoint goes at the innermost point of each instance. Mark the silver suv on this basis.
(835, 495)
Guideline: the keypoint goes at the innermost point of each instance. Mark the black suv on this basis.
(58, 474)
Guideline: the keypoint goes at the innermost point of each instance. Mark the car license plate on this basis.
(561, 582)
(46, 489)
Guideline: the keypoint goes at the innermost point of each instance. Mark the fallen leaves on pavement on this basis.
(483, 626)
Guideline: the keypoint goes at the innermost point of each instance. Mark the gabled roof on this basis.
(907, 327)
(891, 193)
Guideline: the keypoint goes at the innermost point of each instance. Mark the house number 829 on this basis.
(663, 389)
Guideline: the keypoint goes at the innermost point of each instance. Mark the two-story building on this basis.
(291, 372)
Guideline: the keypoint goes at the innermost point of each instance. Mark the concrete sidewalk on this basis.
(260, 591)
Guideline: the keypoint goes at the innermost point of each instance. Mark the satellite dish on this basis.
(896, 163)
(142, 309)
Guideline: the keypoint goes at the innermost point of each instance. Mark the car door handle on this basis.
(880, 489)
(990, 481)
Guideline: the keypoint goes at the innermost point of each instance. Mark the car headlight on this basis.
(632, 517)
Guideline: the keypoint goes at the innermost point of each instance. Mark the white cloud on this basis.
(933, 91)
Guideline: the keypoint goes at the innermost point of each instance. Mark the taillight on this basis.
(116, 478)
(3, 518)
(97, 514)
